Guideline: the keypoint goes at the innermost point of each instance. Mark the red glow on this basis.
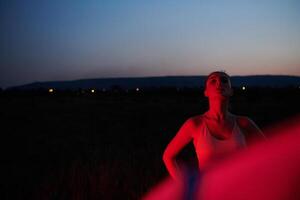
(268, 170)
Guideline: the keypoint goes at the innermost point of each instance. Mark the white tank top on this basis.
(209, 148)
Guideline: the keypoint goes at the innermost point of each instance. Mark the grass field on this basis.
(107, 145)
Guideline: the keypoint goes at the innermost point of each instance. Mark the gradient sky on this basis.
(69, 39)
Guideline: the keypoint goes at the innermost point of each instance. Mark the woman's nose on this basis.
(219, 83)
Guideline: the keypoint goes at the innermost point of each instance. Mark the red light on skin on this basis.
(268, 170)
(216, 134)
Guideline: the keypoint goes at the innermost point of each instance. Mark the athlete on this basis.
(217, 133)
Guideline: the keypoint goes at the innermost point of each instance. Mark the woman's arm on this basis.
(183, 136)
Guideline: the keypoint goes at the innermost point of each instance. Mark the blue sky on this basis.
(69, 39)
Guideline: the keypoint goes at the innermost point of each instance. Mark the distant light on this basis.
(92, 91)
(51, 90)
(243, 88)
(137, 89)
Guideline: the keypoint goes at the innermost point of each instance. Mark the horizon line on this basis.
(133, 77)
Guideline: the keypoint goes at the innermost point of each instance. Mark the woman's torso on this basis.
(210, 148)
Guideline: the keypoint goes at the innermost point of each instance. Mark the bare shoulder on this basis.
(244, 121)
(249, 127)
(196, 120)
(194, 123)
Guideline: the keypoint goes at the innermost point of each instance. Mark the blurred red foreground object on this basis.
(265, 171)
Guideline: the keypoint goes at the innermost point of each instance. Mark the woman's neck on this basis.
(218, 110)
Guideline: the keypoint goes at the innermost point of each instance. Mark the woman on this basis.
(215, 134)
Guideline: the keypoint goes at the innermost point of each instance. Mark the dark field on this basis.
(107, 145)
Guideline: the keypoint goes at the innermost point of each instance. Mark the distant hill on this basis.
(167, 81)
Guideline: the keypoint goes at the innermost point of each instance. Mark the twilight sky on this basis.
(73, 39)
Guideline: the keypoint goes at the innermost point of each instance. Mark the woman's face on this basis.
(218, 85)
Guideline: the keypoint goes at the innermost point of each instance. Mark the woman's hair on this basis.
(215, 72)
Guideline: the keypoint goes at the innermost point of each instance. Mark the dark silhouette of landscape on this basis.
(76, 144)
(167, 81)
